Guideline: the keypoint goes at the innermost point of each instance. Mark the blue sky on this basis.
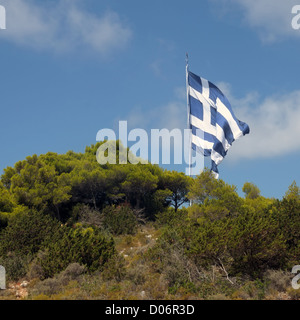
(71, 67)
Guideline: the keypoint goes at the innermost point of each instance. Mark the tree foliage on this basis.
(178, 185)
(293, 193)
(55, 183)
(251, 190)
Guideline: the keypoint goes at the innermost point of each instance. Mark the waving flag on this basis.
(213, 123)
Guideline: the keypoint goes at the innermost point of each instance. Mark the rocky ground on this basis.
(18, 289)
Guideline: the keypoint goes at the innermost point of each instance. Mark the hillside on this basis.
(73, 229)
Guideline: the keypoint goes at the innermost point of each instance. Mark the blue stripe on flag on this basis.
(196, 108)
(205, 152)
(215, 92)
(214, 167)
(223, 123)
(213, 116)
(243, 126)
(218, 146)
(195, 82)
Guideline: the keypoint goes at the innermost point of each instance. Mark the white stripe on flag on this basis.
(199, 142)
(222, 109)
(216, 157)
(215, 175)
(205, 89)
(206, 127)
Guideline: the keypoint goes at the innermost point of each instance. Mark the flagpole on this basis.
(188, 107)
(188, 113)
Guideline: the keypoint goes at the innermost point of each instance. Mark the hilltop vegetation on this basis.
(79, 230)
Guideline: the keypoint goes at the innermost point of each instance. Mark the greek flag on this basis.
(212, 122)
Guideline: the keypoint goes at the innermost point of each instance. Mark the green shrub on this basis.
(287, 213)
(255, 243)
(120, 220)
(88, 247)
(27, 232)
(171, 217)
(35, 270)
(15, 266)
(245, 244)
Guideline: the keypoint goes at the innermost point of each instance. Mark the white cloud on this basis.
(273, 121)
(63, 27)
(272, 18)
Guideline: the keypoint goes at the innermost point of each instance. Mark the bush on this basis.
(120, 220)
(35, 270)
(287, 213)
(256, 244)
(56, 284)
(278, 280)
(171, 217)
(87, 247)
(246, 244)
(47, 287)
(27, 232)
(250, 290)
(84, 214)
(72, 272)
(15, 266)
